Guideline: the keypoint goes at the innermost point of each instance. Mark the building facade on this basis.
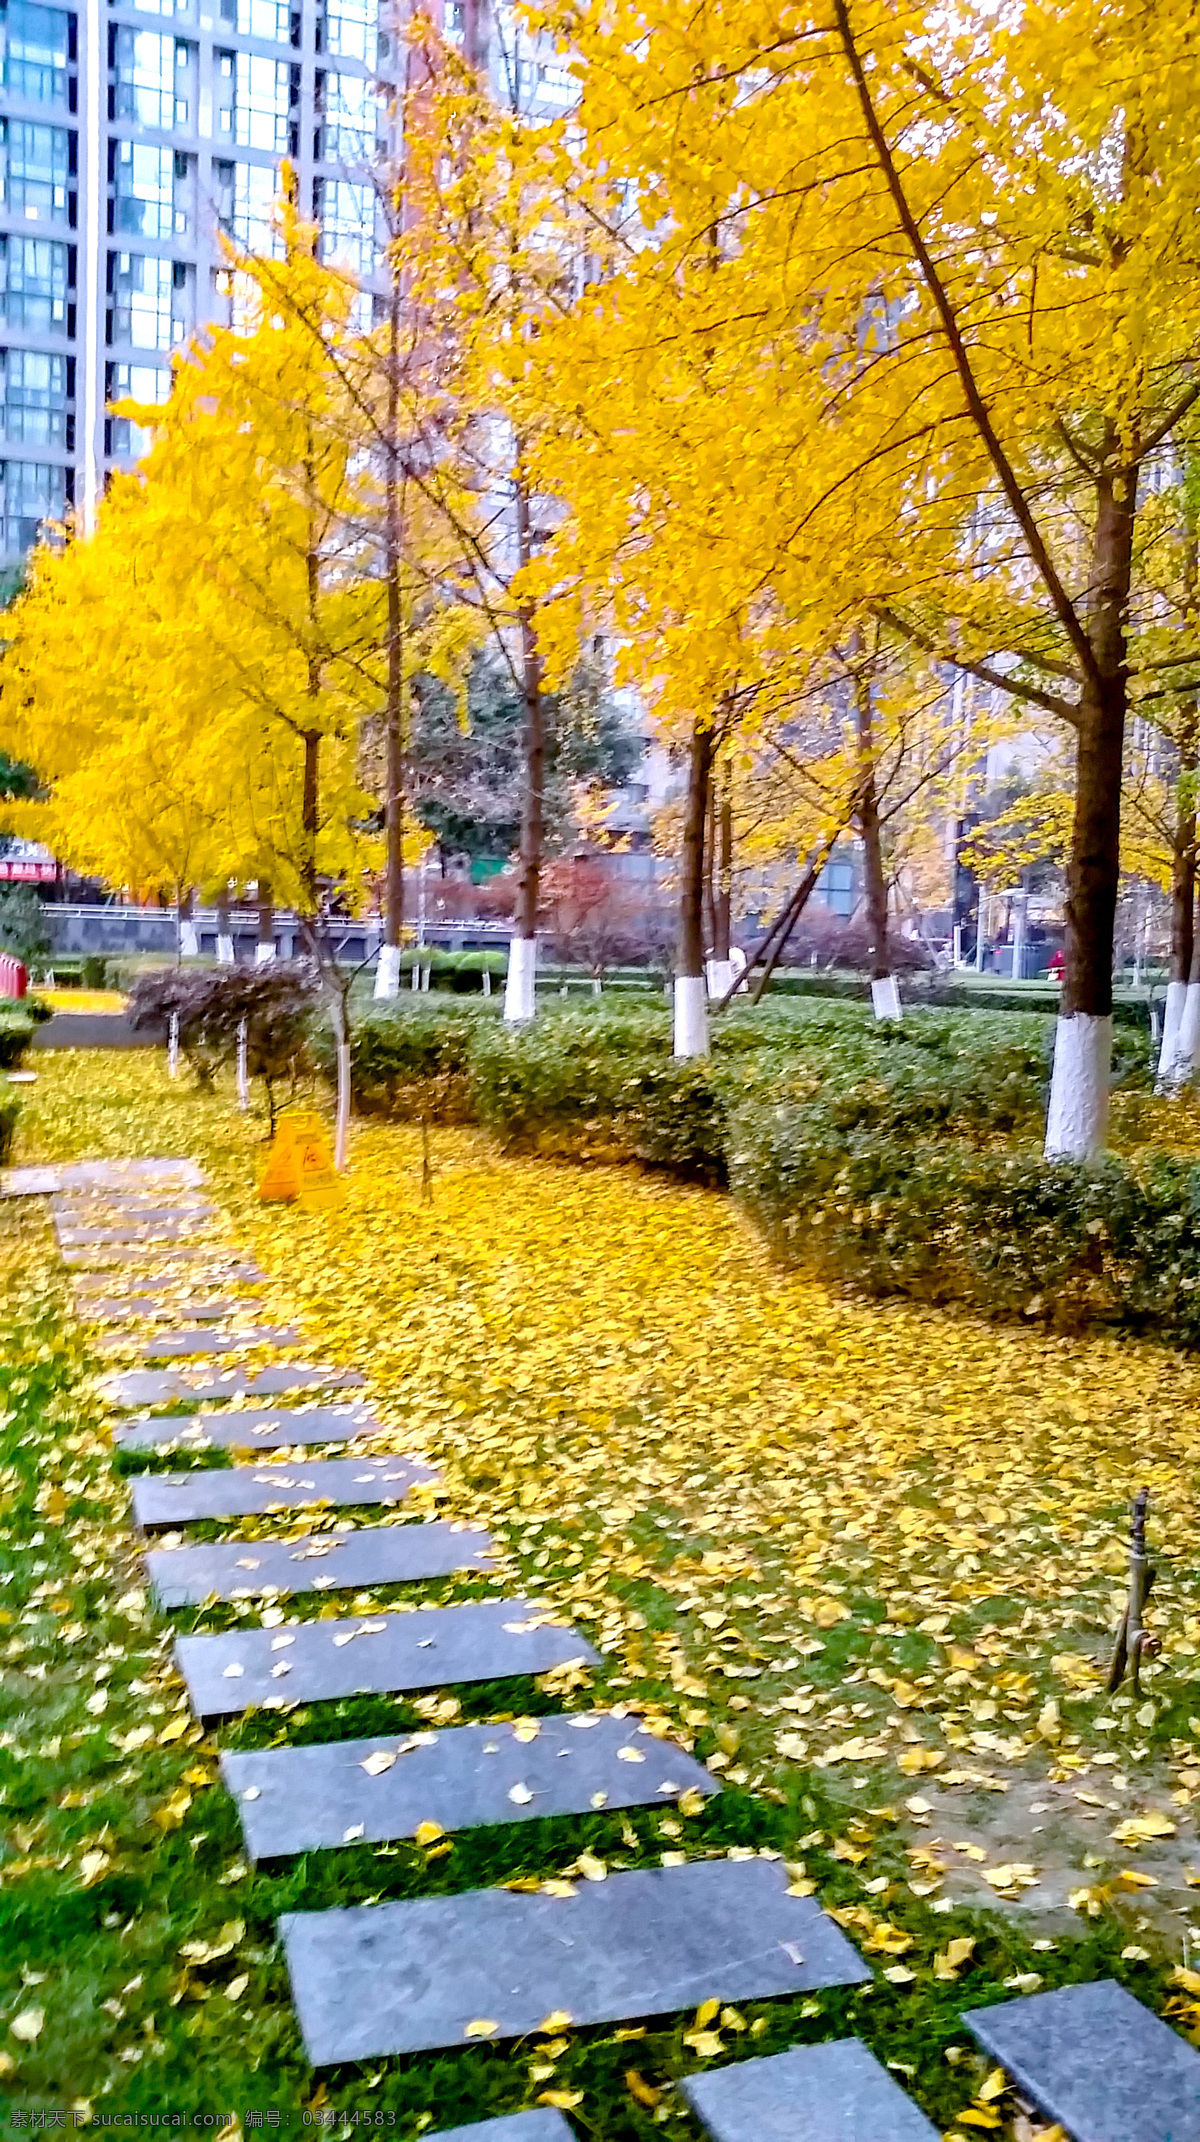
(133, 139)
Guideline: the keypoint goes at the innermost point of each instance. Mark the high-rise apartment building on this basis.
(132, 134)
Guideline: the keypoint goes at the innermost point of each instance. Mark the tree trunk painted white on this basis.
(264, 953)
(1077, 1118)
(243, 1077)
(691, 1016)
(719, 975)
(487, 982)
(1170, 1070)
(427, 975)
(173, 1046)
(387, 973)
(597, 986)
(520, 991)
(341, 1141)
(225, 953)
(189, 941)
(1187, 1043)
(885, 998)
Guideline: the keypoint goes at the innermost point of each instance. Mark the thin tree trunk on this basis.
(225, 952)
(264, 950)
(1173, 1064)
(387, 973)
(1077, 1118)
(885, 993)
(520, 1001)
(719, 970)
(691, 1000)
(189, 942)
(310, 821)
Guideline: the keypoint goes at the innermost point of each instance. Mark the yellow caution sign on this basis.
(299, 1167)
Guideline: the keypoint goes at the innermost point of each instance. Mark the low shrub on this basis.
(9, 1111)
(410, 1059)
(16, 1033)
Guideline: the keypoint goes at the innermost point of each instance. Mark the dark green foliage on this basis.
(468, 774)
(18, 1018)
(9, 1111)
(410, 1059)
(276, 1002)
(23, 931)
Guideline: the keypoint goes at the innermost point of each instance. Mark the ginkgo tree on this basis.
(955, 307)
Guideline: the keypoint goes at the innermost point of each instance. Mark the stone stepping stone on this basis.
(380, 1979)
(355, 1560)
(178, 1345)
(107, 1211)
(155, 1258)
(249, 1428)
(147, 1308)
(314, 1799)
(162, 1387)
(537, 2126)
(376, 1655)
(816, 2093)
(165, 1499)
(1092, 2058)
(147, 1231)
(100, 1175)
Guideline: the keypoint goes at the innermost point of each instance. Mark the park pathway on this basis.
(151, 1262)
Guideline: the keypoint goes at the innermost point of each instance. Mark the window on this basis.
(254, 187)
(351, 27)
(348, 225)
(140, 302)
(160, 7)
(35, 166)
(134, 383)
(36, 52)
(261, 98)
(34, 277)
(351, 110)
(150, 78)
(268, 19)
(33, 398)
(835, 887)
(30, 492)
(144, 190)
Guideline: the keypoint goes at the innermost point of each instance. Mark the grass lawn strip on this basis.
(607, 1495)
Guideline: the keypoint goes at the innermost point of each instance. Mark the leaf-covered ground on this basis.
(864, 1557)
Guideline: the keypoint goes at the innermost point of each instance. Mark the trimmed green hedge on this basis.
(893, 1158)
(10, 1109)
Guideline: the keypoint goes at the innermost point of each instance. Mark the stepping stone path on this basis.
(1092, 2058)
(249, 1428)
(373, 1654)
(165, 1387)
(353, 1560)
(376, 1979)
(310, 1799)
(379, 1979)
(518, 2127)
(816, 2093)
(167, 1499)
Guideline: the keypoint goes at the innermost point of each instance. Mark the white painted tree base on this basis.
(225, 952)
(885, 998)
(1077, 1118)
(1170, 1070)
(1187, 1041)
(520, 990)
(387, 973)
(263, 955)
(243, 1078)
(691, 1015)
(189, 941)
(719, 975)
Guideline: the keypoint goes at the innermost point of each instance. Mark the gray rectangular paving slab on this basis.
(99, 1175)
(815, 2093)
(161, 1258)
(180, 1345)
(163, 1387)
(354, 1560)
(381, 1979)
(316, 1798)
(381, 1654)
(536, 2126)
(162, 1499)
(134, 1232)
(127, 1211)
(249, 1428)
(1092, 2058)
(152, 1308)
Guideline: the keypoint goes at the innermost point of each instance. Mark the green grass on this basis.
(114, 1858)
